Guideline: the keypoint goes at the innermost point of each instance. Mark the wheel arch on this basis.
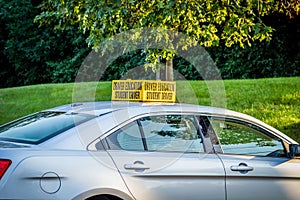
(103, 194)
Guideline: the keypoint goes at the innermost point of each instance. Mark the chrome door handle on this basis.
(242, 167)
(137, 165)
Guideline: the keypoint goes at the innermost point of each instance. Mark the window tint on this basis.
(127, 138)
(240, 138)
(158, 133)
(171, 133)
(36, 128)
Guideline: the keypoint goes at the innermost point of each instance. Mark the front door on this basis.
(255, 162)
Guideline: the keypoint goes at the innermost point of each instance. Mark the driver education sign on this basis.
(144, 90)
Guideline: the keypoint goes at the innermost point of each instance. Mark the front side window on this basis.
(166, 133)
(238, 137)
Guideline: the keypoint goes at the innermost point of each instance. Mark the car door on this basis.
(164, 157)
(255, 162)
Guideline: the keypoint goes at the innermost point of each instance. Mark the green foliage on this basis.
(69, 53)
(235, 22)
(53, 52)
(277, 58)
(18, 48)
(123, 64)
(33, 55)
(208, 22)
(238, 27)
(122, 67)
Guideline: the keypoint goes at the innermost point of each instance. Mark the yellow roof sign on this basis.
(144, 90)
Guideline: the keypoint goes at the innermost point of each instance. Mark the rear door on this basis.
(165, 157)
(255, 162)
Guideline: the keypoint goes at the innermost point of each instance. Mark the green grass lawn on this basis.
(275, 101)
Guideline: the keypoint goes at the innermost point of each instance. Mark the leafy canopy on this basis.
(209, 22)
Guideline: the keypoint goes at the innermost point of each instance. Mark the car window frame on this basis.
(102, 144)
(112, 143)
(194, 121)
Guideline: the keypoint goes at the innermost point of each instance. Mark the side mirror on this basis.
(294, 150)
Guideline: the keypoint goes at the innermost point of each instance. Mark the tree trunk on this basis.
(169, 70)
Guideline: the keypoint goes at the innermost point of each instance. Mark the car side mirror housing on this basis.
(294, 150)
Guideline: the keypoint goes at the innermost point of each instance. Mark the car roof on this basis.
(99, 108)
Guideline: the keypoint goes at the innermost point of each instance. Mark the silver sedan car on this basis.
(146, 151)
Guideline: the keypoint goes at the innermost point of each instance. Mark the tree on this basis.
(33, 55)
(18, 44)
(209, 22)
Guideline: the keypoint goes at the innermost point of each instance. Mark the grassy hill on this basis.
(275, 101)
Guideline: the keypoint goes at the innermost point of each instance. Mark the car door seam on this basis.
(225, 174)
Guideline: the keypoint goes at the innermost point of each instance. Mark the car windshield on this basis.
(39, 127)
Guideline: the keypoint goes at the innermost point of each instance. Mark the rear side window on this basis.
(165, 133)
(171, 133)
(39, 127)
(128, 138)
